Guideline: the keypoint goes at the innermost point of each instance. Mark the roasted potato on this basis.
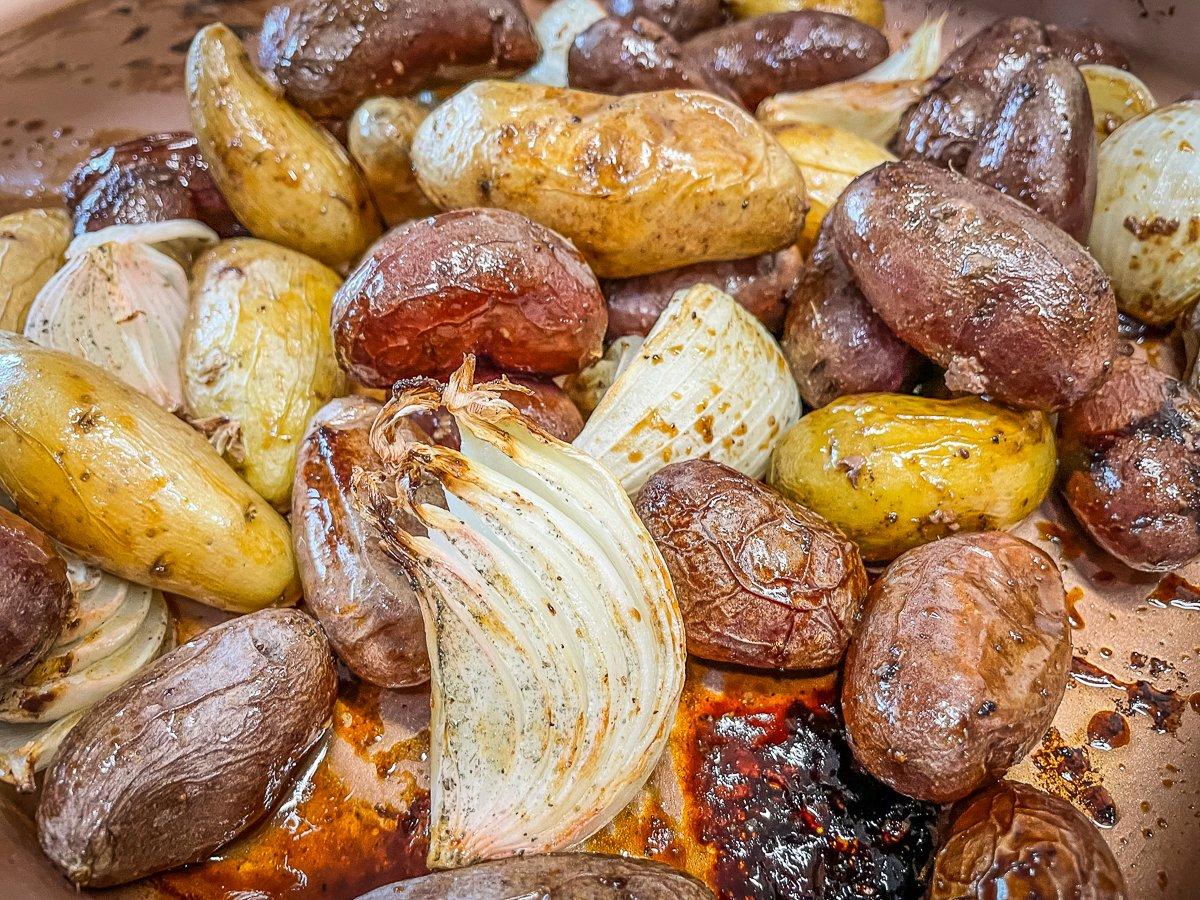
(35, 597)
(869, 12)
(617, 177)
(1085, 46)
(379, 139)
(284, 177)
(834, 342)
(1008, 303)
(761, 581)
(359, 594)
(148, 179)
(762, 284)
(1013, 840)
(205, 739)
(330, 55)
(483, 281)
(894, 471)
(681, 19)
(787, 51)
(126, 485)
(33, 245)
(1040, 146)
(555, 876)
(958, 664)
(257, 356)
(1131, 466)
(542, 402)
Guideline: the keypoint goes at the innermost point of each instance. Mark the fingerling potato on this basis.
(33, 244)
(379, 139)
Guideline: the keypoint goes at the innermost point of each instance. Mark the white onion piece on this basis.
(709, 382)
(161, 235)
(1117, 96)
(917, 60)
(1146, 229)
(28, 749)
(98, 595)
(588, 388)
(556, 28)
(556, 642)
(103, 640)
(35, 700)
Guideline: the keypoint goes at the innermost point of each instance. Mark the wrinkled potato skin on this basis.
(154, 178)
(1040, 147)
(761, 581)
(616, 176)
(762, 284)
(360, 595)
(561, 876)
(35, 596)
(958, 664)
(1131, 464)
(869, 12)
(681, 19)
(288, 180)
(257, 354)
(834, 342)
(33, 244)
(787, 51)
(330, 55)
(125, 484)
(1085, 46)
(894, 472)
(1008, 303)
(380, 140)
(481, 281)
(206, 738)
(1013, 840)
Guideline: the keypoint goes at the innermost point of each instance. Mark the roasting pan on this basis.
(78, 75)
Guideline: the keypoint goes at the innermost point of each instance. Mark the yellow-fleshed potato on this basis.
(380, 141)
(128, 486)
(894, 471)
(641, 183)
(258, 357)
(284, 177)
(868, 11)
(32, 245)
(829, 158)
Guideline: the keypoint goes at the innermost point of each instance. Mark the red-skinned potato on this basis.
(958, 663)
(330, 55)
(679, 18)
(761, 581)
(1130, 455)
(1085, 46)
(35, 596)
(1007, 302)
(762, 284)
(482, 281)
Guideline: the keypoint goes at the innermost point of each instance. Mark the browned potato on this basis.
(483, 281)
(1130, 453)
(787, 51)
(1085, 46)
(1040, 146)
(834, 342)
(1012, 840)
(762, 284)
(379, 139)
(205, 739)
(679, 18)
(1008, 303)
(761, 580)
(555, 876)
(35, 596)
(330, 55)
(542, 402)
(958, 664)
(359, 594)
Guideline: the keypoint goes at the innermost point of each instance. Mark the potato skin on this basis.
(1013, 840)
(1085, 46)
(360, 596)
(1131, 466)
(1008, 303)
(33, 246)
(787, 51)
(483, 281)
(835, 343)
(205, 739)
(1040, 146)
(555, 876)
(330, 55)
(681, 19)
(35, 596)
(761, 581)
(546, 404)
(379, 138)
(762, 284)
(894, 471)
(616, 176)
(125, 484)
(958, 664)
